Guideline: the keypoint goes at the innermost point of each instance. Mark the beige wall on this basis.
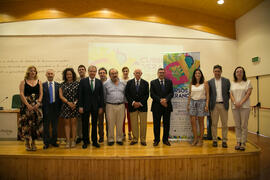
(61, 43)
(253, 39)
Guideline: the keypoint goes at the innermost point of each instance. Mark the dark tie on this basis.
(162, 85)
(137, 85)
(92, 87)
(51, 92)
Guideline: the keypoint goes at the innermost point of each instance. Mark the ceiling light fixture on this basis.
(220, 1)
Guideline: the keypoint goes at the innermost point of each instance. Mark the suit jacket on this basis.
(226, 85)
(91, 100)
(46, 97)
(157, 93)
(141, 96)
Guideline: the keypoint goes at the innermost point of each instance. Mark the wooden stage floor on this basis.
(180, 160)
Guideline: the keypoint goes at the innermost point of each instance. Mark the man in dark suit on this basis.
(91, 101)
(161, 91)
(137, 93)
(51, 105)
(219, 92)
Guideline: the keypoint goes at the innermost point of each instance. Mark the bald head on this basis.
(113, 74)
(50, 74)
(137, 74)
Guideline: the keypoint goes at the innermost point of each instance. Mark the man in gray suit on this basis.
(219, 91)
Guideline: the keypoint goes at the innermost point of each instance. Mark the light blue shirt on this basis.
(114, 93)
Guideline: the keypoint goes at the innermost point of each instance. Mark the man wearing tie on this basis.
(161, 91)
(51, 105)
(91, 101)
(137, 93)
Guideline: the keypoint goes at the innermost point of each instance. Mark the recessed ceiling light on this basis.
(220, 1)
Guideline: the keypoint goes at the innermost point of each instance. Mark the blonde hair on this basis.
(26, 76)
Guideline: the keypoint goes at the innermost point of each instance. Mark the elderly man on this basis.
(114, 95)
(137, 94)
(51, 108)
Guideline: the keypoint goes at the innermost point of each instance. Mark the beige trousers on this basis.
(135, 125)
(219, 111)
(115, 117)
(241, 117)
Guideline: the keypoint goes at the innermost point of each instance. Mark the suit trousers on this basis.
(50, 118)
(241, 117)
(157, 114)
(115, 117)
(135, 126)
(220, 111)
(101, 125)
(85, 126)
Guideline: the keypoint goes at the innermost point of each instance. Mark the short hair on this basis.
(74, 77)
(102, 68)
(244, 74)
(160, 69)
(194, 81)
(111, 70)
(125, 68)
(217, 67)
(27, 73)
(92, 66)
(81, 66)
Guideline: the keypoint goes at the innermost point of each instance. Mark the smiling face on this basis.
(125, 73)
(113, 75)
(217, 73)
(161, 74)
(50, 75)
(239, 73)
(137, 74)
(198, 76)
(92, 71)
(81, 71)
(32, 73)
(69, 76)
(102, 74)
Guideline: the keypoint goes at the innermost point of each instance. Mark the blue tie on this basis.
(162, 86)
(137, 86)
(51, 92)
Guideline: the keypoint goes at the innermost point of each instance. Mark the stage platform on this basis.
(179, 161)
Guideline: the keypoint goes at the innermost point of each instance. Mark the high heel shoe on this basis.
(200, 142)
(195, 141)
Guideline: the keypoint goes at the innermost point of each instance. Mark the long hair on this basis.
(74, 77)
(244, 74)
(27, 73)
(194, 81)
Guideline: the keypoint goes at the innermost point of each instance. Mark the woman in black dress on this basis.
(69, 94)
(30, 121)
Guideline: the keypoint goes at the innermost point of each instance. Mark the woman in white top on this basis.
(198, 104)
(241, 89)
(125, 79)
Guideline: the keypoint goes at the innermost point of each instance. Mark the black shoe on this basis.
(237, 147)
(110, 143)
(143, 143)
(96, 145)
(155, 143)
(46, 146)
(133, 142)
(78, 140)
(101, 140)
(224, 145)
(84, 146)
(215, 144)
(55, 145)
(167, 143)
(120, 143)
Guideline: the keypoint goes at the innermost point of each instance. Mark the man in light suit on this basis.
(219, 92)
(91, 101)
(137, 93)
(51, 105)
(161, 91)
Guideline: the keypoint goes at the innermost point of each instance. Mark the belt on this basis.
(114, 103)
(219, 102)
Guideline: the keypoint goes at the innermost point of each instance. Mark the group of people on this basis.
(112, 99)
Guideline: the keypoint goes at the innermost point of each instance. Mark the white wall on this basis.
(64, 42)
(253, 39)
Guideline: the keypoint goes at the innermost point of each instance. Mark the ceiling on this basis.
(231, 9)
